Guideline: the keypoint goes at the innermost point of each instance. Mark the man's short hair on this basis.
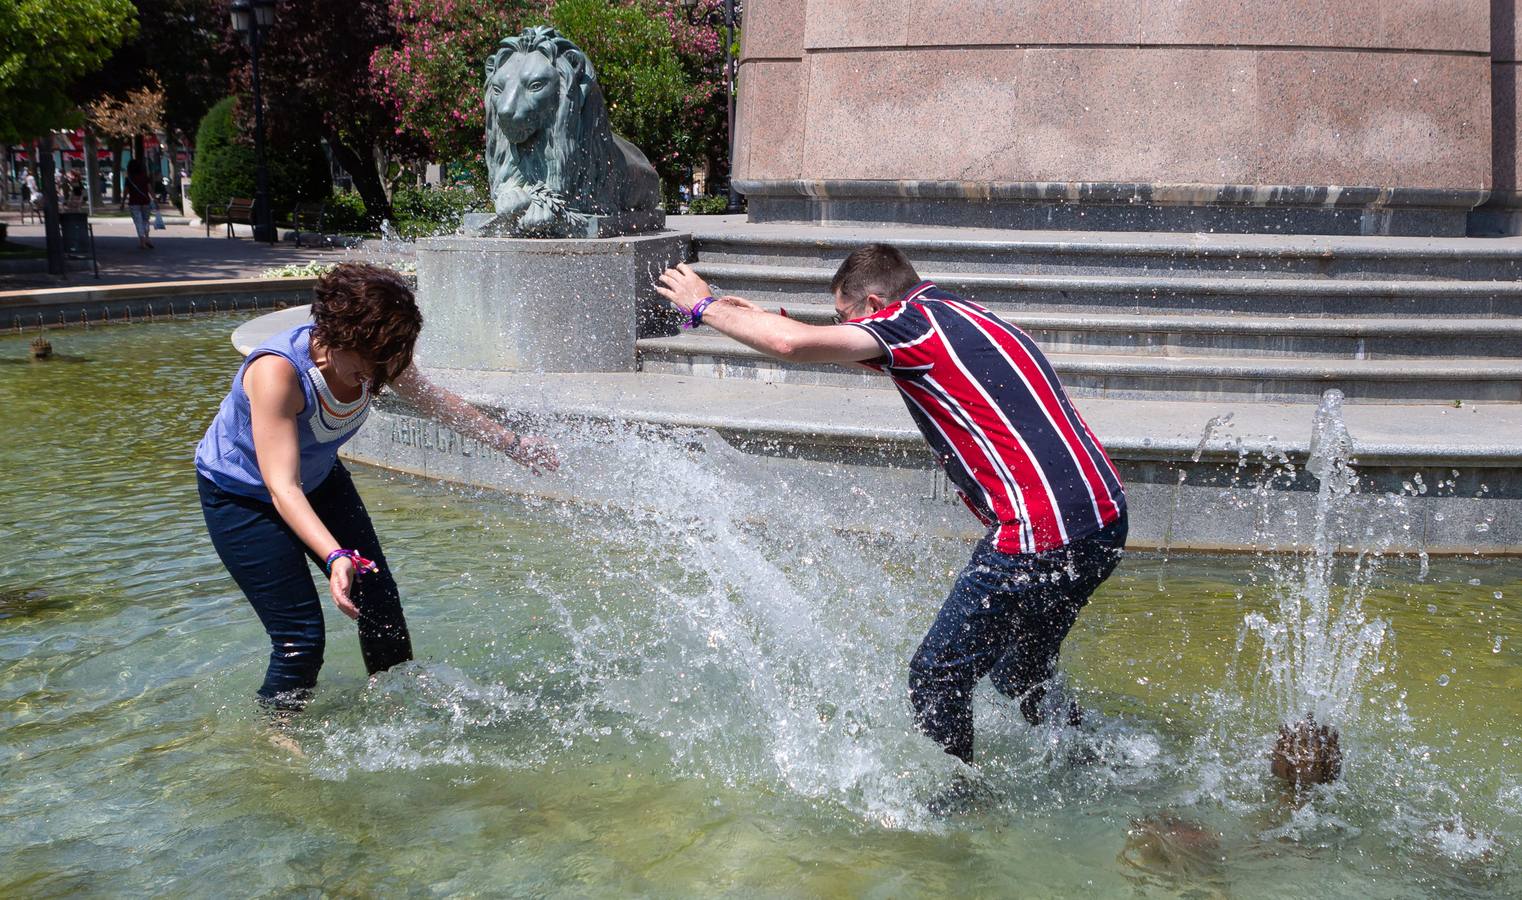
(879, 269)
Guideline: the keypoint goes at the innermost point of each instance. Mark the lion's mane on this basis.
(579, 153)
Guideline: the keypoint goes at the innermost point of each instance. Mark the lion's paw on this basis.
(512, 201)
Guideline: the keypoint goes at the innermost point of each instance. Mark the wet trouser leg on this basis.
(273, 569)
(383, 638)
(1007, 615)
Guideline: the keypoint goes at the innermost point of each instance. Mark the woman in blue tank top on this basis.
(275, 496)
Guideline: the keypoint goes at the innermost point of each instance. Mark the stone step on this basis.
(1118, 253)
(1118, 376)
(1323, 337)
(1212, 295)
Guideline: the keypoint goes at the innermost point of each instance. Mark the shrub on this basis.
(709, 206)
(346, 215)
(426, 211)
(226, 166)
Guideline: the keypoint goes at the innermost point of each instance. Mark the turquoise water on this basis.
(666, 703)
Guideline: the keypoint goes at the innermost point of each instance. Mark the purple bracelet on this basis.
(361, 565)
(695, 318)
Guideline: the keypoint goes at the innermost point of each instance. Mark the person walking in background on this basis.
(140, 201)
(31, 198)
(74, 191)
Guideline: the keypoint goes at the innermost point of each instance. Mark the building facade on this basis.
(1338, 117)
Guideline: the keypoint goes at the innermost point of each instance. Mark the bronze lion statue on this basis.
(555, 167)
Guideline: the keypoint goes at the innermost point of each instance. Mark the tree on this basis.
(181, 45)
(645, 84)
(226, 165)
(140, 112)
(45, 45)
(123, 120)
(431, 77)
(701, 49)
(315, 68)
(662, 78)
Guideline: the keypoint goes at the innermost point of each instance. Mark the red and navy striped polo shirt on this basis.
(986, 398)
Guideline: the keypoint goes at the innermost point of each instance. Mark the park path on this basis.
(181, 253)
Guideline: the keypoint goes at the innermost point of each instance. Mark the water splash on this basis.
(779, 647)
(1320, 646)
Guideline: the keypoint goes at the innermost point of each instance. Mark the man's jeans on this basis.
(1006, 618)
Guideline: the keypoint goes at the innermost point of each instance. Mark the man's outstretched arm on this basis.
(774, 335)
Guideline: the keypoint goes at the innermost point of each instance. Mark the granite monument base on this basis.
(636, 221)
(1041, 206)
(545, 305)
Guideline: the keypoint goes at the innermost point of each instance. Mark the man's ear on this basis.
(876, 302)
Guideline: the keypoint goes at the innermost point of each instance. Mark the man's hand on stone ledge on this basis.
(683, 287)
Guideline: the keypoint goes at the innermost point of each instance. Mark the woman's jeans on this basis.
(141, 216)
(1006, 618)
(273, 567)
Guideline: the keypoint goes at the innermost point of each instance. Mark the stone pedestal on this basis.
(635, 221)
(520, 304)
(1167, 115)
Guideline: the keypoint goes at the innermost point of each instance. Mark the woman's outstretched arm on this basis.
(438, 403)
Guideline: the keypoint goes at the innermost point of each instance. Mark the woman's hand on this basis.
(340, 578)
(537, 453)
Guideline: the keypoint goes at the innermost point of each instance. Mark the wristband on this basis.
(695, 318)
(361, 565)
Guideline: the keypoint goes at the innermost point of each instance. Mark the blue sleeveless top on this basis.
(225, 455)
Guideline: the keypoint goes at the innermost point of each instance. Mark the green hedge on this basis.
(715, 205)
(420, 212)
(225, 166)
(346, 215)
(427, 211)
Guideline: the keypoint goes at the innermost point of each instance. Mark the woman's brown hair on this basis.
(370, 310)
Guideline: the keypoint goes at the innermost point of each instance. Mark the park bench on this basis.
(238, 209)
(309, 217)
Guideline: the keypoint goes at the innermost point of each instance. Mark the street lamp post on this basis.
(252, 20)
(709, 16)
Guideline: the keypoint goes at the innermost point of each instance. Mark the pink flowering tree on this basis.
(662, 78)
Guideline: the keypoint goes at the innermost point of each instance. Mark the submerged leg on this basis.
(1061, 584)
(1031, 660)
(970, 634)
(269, 564)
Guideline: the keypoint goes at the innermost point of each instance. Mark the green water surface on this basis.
(661, 703)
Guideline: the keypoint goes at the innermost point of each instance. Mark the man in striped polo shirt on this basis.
(993, 411)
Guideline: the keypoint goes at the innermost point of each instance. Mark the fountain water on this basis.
(683, 684)
(1321, 644)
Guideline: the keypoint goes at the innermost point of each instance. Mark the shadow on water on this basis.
(55, 358)
(20, 603)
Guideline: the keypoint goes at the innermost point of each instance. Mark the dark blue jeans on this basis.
(274, 569)
(1006, 618)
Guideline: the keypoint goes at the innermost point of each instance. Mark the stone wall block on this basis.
(773, 29)
(771, 120)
